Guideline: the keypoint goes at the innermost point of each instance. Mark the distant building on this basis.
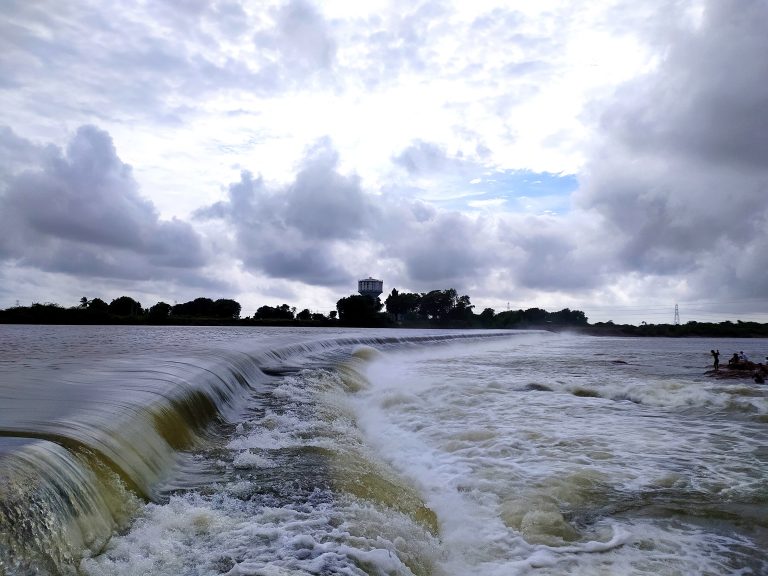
(370, 287)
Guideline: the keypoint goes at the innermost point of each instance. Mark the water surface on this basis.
(218, 450)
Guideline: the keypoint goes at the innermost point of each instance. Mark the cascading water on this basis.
(298, 451)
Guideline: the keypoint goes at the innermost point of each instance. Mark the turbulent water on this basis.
(146, 450)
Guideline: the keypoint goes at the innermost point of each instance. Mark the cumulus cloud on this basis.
(450, 252)
(298, 231)
(324, 228)
(707, 102)
(442, 109)
(681, 171)
(79, 211)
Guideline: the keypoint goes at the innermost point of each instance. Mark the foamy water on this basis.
(577, 466)
(394, 452)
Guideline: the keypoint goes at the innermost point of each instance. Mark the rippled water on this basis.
(138, 450)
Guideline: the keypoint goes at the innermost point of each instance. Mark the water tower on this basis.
(370, 287)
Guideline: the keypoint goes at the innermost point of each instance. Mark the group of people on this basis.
(740, 361)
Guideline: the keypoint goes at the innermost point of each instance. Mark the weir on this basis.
(221, 450)
(81, 449)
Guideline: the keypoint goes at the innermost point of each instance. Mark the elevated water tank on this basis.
(370, 287)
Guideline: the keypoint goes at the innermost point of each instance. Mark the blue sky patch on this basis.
(514, 191)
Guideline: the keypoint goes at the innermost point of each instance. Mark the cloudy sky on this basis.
(609, 156)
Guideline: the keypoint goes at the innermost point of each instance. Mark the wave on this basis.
(79, 454)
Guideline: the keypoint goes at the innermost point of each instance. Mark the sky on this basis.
(609, 156)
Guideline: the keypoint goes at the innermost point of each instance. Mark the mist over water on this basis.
(142, 450)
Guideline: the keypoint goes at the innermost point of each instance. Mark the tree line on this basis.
(437, 308)
(447, 309)
(123, 310)
(692, 329)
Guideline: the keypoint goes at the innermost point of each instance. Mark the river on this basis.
(279, 451)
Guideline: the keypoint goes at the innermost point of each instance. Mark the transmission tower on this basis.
(677, 315)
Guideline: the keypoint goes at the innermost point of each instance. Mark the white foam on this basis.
(248, 459)
(522, 481)
(461, 428)
(224, 535)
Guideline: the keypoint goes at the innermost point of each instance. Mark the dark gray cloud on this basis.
(681, 171)
(79, 211)
(547, 257)
(708, 101)
(324, 204)
(299, 231)
(446, 251)
(324, 229)
(16, 152)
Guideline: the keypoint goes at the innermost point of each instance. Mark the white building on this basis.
(370, 287)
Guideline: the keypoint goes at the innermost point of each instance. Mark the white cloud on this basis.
(424, 113)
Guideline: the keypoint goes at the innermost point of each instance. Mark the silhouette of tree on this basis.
(160, 311)
(199, 307)
(282, 312)
(486, 317)
(98, 305)
(357, 310)
(567, 316)
(400, 304)
(443, 305)
(125, 306)
(225, 308)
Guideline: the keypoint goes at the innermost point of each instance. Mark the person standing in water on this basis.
(716, 356)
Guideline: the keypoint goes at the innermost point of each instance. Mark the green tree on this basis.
(357, 310)
(225, 308)
(304, 315)
(436, 305)
(508, 319)
(535, 316)
(160, 311)
(199, 307)
(125, 306)
(461, 309)
(486, 317)
(98, 305)
(399, 304)
(567, 316)
(442, 306)
(282, 312)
